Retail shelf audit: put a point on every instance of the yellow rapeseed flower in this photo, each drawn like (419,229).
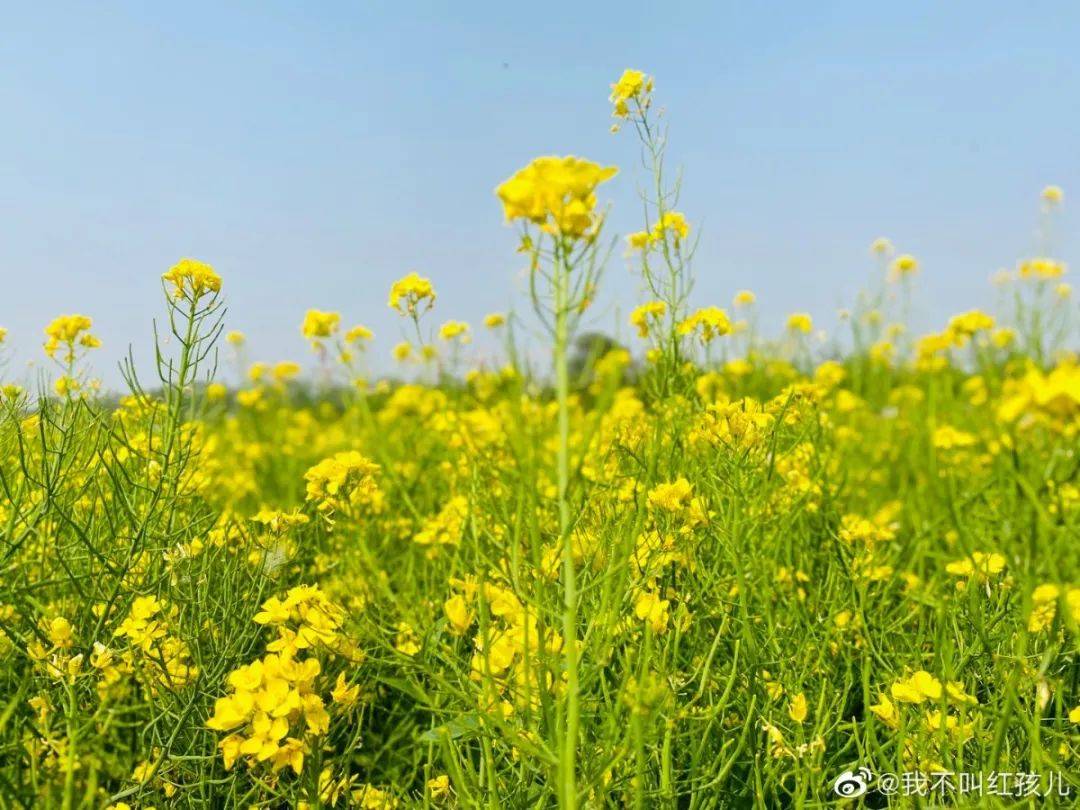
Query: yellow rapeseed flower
(454,330)
(318,324)
(192,279)
(556,193)
(633,85)
(643,316)
(69,331)
(358,334)
(1040,268)
(904,265)
(800,322)
(1052,195)
(881,246)
(744,298)
(407,294)
(709,323)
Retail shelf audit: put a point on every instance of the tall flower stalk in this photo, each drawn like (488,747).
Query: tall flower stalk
(664,248)
(555,199)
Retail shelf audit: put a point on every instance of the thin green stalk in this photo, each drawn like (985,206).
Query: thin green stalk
(568,782)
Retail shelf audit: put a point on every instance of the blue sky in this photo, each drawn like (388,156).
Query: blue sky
(313,152)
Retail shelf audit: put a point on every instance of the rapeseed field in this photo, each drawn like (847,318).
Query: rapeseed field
(728,565)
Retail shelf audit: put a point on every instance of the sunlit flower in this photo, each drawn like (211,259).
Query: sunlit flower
(318,324)
(69,332)
(744,298)
(646,315)
(556,193)
(1052,195)
(192,279)
(410,293)
(800,322)
(454,330)
(708,323)
(632,86)
(881,246)
(358,334)
(904,265)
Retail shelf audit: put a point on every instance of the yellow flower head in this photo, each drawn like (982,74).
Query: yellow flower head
(671,497)
(439,786)
(980,565)
(904,265)
(652,610)
(458,613)
(885,711)
(946,437)
(192,279)
(968,324)
(671,222)
(556,193)
(68,328)
(1052,195)
(318,324)
(1041,268)
(358,334)
(709,323)
(69,331)
(409,293)
(800,322)
(454,329)
(744,298)
(797,710)
(919,687)
(644,315)
(235,338)
(494,320)
(286,370)
(881,246)
(1044,601)
(633,85)
(1003,338)
(346,476)
(343,694)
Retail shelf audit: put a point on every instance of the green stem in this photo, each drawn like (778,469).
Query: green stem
(72,742)
(568,797)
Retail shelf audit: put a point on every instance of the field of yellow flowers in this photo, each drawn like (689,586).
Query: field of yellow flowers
(712,569)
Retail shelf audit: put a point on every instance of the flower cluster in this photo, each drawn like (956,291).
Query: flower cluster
(275,701)
(67,332)
(318,324)
(708,324)
(345,478)
(192,279)
(556,193)
(412,295)
(162,654)
(645,316)
(634,87)
(269,697)
(671,223)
